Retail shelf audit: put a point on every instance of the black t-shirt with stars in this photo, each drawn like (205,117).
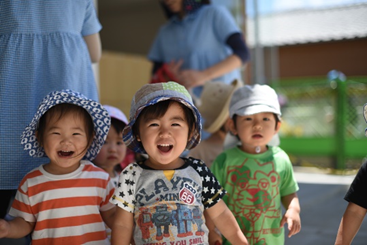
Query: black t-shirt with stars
(173,199)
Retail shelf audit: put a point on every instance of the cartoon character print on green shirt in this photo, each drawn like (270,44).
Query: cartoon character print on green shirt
(255,199)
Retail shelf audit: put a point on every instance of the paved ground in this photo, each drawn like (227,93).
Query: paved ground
(321,197)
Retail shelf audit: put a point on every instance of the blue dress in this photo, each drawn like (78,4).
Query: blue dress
(41,50)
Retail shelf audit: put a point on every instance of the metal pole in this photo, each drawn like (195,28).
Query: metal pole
(338,81)
(244,32)
(259,54)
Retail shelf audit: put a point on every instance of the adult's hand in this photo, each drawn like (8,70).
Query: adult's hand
(192,78)
(175,67)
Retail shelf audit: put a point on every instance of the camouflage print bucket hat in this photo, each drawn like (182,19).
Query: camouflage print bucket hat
(154,93)
(99,115)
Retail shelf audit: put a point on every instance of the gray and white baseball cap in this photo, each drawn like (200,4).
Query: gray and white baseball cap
(252,99)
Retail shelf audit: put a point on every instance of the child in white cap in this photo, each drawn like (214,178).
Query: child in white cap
(65,201)
(357,203)
(162,199)
(258,178)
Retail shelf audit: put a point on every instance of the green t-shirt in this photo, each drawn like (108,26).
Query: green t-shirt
(255,184)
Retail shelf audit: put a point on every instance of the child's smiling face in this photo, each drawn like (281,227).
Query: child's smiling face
(112,152)
(255,130)
(65,142)
(165,138)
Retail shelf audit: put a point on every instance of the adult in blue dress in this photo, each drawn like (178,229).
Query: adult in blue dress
(44,46)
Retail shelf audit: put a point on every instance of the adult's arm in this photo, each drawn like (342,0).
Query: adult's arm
(94,46)
(238,46)
(192,78)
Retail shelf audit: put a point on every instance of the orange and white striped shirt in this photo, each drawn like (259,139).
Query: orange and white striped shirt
(66,208)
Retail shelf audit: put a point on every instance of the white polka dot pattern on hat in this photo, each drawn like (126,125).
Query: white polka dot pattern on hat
(100,117)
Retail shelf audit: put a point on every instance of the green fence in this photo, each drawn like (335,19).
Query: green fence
(323,118)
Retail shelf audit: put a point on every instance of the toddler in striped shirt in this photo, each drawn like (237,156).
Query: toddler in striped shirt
(66,200)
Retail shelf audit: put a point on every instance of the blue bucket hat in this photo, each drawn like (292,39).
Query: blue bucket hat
(99,115)
(154,93)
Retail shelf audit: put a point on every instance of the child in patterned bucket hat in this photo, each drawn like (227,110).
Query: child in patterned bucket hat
(150,95)
(66,128)
(167,190)
(100,118)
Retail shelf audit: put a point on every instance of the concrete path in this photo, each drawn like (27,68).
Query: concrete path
(322,206)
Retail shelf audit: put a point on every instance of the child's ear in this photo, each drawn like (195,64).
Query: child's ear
(138,138)
(226,125)
(232,127)
(277,127)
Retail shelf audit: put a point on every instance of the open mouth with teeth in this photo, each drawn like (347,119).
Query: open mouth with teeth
(65,153)
(165,147)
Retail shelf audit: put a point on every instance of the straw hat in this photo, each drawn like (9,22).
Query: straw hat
(214,106)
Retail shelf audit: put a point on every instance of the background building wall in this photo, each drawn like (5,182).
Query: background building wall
(348,56)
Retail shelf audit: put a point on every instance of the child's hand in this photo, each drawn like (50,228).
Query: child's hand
(4,228)
(293,219)
(215,238)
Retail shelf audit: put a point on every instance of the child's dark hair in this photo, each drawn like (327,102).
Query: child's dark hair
(60,110)
(158,110)
(118,125)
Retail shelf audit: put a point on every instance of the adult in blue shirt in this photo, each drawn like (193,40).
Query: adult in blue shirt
(199,43)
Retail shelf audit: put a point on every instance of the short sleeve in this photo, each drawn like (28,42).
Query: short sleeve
(289,183)
(22,206)
(217,167)
(357,192)
(124,196)
(224,24)
(155,53)
(106,205)
(212,191)
(91,23)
